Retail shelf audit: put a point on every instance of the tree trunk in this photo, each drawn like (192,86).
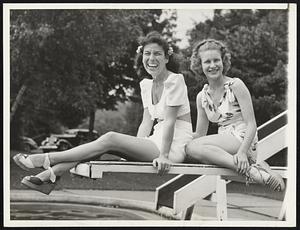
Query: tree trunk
(17,101)
(91,121)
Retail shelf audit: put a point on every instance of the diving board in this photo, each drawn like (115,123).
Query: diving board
(207,180)
(95,169)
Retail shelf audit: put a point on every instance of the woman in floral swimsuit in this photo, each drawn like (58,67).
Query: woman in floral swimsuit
(227,102)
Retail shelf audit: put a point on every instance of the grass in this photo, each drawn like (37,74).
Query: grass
(129,181)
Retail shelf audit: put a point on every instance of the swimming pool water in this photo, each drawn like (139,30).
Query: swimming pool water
(70,211)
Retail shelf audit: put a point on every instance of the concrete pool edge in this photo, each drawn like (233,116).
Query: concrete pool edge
(241,207)
(97,201)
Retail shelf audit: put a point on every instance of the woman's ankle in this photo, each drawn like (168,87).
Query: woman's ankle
(44,176)
(47,175)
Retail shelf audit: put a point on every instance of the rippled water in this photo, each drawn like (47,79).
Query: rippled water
(65,211)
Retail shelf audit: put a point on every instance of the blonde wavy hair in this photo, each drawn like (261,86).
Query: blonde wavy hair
(209,44)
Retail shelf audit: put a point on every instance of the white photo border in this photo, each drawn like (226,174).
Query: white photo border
(292,113)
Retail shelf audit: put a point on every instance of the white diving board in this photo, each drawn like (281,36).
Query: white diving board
(207,180)
(95,169)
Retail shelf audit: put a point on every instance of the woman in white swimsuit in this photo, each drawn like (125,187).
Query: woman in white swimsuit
(227,102)
(164,98)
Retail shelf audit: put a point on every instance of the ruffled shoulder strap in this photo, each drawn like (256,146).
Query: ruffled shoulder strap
(229,92)
(205,98)
(145,86)
(176,91)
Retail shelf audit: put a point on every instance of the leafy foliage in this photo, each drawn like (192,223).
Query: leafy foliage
(73,62)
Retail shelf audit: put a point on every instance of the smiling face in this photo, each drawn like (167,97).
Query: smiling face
(154,59)
(212,64)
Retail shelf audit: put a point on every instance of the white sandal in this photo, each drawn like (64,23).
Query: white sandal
(260,175)
(37,184)
(23,161)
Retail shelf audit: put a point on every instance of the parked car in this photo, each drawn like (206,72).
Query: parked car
(28,144)
(69,139)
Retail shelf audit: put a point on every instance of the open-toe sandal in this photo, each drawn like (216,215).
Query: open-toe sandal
(37,184)
(260,175)
(24,162)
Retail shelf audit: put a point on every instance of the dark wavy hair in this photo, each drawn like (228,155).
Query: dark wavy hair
(155,37)
(209,44)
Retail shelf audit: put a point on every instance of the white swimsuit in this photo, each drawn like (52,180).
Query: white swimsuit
(174,94)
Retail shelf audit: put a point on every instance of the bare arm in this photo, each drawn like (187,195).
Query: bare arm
(162,162)
(168,129)
(244,99)
(146,124)
(202,120)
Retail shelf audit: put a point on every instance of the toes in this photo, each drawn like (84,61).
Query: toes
(278,188)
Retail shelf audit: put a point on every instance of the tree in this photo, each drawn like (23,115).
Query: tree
(72,62)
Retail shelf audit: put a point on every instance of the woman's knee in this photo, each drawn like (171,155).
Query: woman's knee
(108,139)
(196,150)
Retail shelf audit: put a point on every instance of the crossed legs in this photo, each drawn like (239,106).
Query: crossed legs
(219,149)
(129,147)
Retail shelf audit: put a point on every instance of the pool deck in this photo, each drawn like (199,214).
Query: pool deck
(241,207)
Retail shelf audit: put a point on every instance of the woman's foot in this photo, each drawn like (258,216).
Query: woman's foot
(44,182)
(266,177)
(28,162)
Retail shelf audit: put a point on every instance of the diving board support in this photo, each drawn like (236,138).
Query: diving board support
(282,213)
(187,196)
(164,194)
(187,214)
(272,125)
(221,199)
(271,144)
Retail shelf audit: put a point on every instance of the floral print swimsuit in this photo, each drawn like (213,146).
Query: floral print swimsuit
(228,115)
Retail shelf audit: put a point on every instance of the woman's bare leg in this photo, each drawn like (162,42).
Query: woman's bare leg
(129,147)
(58,170)
(214,149)
(218,149)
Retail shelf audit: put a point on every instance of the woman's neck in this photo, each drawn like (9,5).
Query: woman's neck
(161,77)
(216,83)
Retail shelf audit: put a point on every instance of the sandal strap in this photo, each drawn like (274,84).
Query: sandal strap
(25,160)
(259,169)
(52,175)
(46,164)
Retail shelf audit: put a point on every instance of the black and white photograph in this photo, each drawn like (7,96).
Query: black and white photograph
(149,114)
